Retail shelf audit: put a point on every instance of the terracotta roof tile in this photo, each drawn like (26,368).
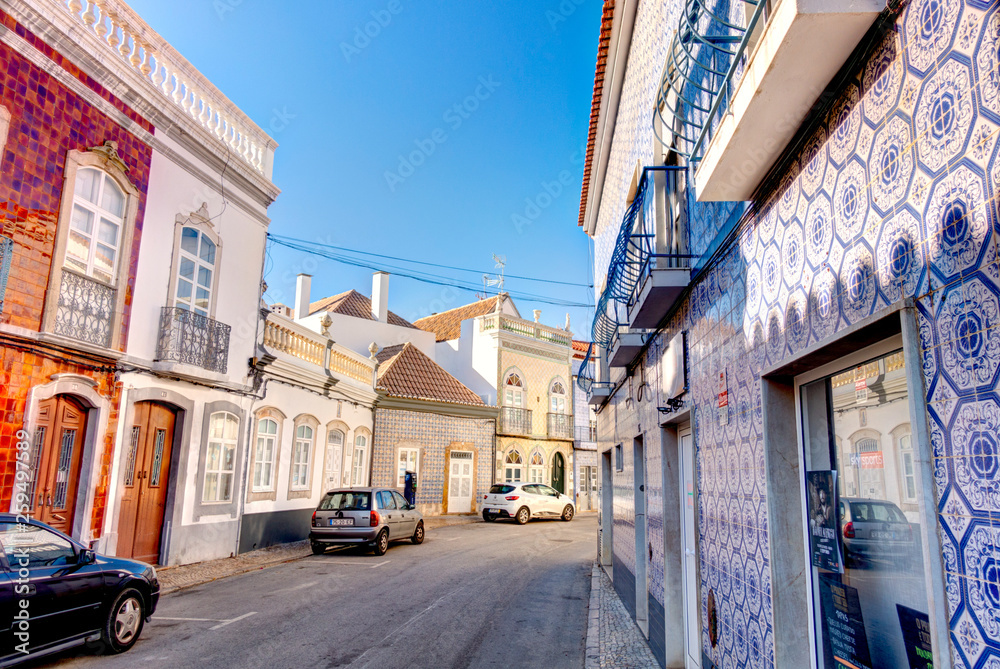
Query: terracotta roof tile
(603,44)
(352,303)
(405,371)
(447,325)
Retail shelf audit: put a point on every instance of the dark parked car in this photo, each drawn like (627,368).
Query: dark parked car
(874,529)
(364,516)
(56,593)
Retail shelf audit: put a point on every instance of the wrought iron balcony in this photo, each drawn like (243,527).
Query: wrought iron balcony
(515,421)
(85,309)
(560,426)
(193,339)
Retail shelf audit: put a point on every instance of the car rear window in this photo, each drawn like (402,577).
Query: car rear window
(501,489)
(874,512)
(346,500)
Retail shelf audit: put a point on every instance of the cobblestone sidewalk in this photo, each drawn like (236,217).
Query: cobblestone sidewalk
(186,576)
(613,639)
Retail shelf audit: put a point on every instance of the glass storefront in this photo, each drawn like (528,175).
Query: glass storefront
(868,581)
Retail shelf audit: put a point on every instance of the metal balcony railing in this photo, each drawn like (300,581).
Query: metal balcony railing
(586,432)
(85,309)
(193,339)
(515,421)
(559,426)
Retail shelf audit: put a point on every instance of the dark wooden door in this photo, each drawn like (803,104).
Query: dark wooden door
(559,473)
(145,481)
(56,456)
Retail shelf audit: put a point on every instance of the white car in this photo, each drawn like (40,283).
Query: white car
(524,501)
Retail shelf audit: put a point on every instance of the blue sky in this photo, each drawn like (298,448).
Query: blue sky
(353,113)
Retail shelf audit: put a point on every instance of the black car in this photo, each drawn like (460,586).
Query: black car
(56,593)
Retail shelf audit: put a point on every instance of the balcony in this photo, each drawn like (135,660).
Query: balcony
(559,426)
(523,328)
(597,391)
(586,432)
(193,339)
(85,309)
(626,345)
(514,421)
(296,341)
(785,58)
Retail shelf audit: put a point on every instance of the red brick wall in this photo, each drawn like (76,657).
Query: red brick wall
(47,121)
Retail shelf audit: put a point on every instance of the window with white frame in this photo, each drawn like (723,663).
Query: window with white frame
(360,458)
(195,272)
(302,457)
(513,468)
(557,398)
(334,457)
(220,457)
(513,391)
(907,469)
(407,461)
(263,457)
(536,468)
(95,225)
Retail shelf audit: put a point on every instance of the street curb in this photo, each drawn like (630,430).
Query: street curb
(237,572)
(593,649)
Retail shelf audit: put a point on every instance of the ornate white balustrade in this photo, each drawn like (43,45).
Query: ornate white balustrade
(525,329)
(299,342)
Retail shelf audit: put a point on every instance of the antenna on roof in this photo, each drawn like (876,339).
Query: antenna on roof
(501,262)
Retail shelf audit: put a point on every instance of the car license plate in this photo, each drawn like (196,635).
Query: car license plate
(891,536)
(341,521)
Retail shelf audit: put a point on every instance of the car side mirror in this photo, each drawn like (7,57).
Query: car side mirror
(86,556)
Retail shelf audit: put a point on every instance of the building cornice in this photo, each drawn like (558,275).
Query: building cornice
(386,401)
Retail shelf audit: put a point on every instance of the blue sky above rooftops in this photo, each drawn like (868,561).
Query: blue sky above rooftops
(438,131)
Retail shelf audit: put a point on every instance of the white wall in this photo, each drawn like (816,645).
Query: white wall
(358,333)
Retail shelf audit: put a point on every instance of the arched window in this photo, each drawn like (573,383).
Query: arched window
(557,397)
(334,458)
(513,391)
(220,457)
(360,459)
(95,225)
(513,468)
(195,272)
(536,468)
(908,469)
(264,455)
(302,457)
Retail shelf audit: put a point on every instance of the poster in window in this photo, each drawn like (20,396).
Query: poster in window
(916,627)
(845,636)
(824,537)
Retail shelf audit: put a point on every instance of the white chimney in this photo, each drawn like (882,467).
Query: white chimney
(380,296)
(303,285)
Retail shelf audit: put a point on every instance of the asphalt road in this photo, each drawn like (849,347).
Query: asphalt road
(478,595)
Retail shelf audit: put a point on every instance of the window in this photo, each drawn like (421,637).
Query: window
(536,468)
(513,391)
(557,398)
(360,457)
(513,468)
(42,547)
(346,500)
(385,500)
(195,272)
(407,461)
(263,459)
(95,225)
(334,457)
(400,500)
(907,469)
(619,458)
(220,457)
(6,253)
(301,457)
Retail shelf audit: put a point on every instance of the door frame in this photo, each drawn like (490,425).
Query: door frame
(83,389)
(639,483)
(457,446)
(606,492)
(555,458)
(183,409)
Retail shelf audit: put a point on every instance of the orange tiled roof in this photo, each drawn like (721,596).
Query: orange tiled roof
(404,371)
(603,43)
(352,303)
(580,349)
(447,325)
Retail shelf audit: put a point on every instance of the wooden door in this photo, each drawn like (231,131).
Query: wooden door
(57,452)
(559,473)
(146,477)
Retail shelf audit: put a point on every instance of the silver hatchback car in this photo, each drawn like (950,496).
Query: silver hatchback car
(365,516)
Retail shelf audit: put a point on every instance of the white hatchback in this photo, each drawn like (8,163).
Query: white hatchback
(524,501)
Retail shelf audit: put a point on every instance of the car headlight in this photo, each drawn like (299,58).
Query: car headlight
(152,573)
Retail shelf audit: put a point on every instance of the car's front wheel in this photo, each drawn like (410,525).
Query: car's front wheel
(381,543)
(418,534)
(523,515)
(567,513)
(124,622)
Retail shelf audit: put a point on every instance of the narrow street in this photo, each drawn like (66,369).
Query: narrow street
(478,595)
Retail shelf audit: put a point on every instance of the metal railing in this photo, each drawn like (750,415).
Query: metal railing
(559,426)
(85,309)
(514,420)
(586,432)
(193,339)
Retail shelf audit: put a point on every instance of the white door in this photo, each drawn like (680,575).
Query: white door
(334,459)
(460,482)
(692,643)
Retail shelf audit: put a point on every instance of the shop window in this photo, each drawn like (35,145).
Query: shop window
(869,587)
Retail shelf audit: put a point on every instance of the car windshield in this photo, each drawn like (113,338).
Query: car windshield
(501,489)
(346,500)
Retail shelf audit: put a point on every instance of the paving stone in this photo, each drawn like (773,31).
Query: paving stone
(613,638)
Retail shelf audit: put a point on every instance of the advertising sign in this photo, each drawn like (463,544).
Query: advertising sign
(870,460)
(723,399)
(844,626)
(916,628)
(824,534)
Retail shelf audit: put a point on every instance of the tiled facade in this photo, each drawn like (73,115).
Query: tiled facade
(892,197)
(47,120)
(434,435)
